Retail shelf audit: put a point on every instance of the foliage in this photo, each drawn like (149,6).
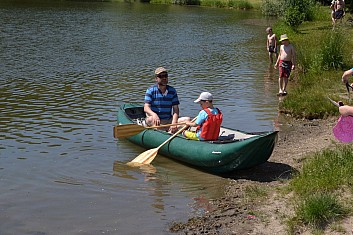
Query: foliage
(292,12)
(325,171)
(293,16)
(186,2)
(322,54)
(273,7)
(320,209)
(318,186)
(238,4)
(332,51)
(325,56)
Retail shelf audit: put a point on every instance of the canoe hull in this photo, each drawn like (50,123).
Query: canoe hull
(220,157)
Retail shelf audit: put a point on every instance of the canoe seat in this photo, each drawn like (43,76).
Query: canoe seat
(135,113)
(223,139)
(226,137)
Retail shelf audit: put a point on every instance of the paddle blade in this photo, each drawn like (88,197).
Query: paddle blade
(127,130)
(146,157)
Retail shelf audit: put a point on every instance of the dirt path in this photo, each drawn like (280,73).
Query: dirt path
(234,214)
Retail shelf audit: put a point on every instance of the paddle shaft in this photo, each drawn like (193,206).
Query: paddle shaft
(127,130)
(166,125)
(338,104)
(176,133)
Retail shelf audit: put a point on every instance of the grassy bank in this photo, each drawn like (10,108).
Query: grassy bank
(236,4)
(322,56)
(323,190)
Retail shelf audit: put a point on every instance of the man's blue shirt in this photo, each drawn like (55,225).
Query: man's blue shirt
(160,103)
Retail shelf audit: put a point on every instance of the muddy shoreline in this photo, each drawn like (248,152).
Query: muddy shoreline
(235,213)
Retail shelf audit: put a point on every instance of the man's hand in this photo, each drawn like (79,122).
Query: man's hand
(155,119)
(173,129)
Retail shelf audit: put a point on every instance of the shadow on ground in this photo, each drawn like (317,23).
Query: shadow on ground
(267,172)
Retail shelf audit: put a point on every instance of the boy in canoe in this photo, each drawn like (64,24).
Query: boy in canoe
(208,120)
(162,103)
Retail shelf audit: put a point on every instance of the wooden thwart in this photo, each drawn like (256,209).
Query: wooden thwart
(127,130)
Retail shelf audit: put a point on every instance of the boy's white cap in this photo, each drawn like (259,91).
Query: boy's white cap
(204,96)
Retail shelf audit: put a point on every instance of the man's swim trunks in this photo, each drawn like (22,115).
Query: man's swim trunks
(339,14)
(272,49)
(285,67)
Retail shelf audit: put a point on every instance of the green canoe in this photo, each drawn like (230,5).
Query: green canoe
(233,151)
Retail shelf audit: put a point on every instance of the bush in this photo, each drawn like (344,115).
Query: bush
(332,51)
(273,7)
(293,12)
(320,209)
(294,17)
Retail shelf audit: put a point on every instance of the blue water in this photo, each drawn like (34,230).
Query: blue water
(65,69)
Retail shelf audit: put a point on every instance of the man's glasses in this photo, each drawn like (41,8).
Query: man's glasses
(162,75)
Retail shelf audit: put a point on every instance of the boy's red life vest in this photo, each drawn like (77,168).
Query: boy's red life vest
(211,126)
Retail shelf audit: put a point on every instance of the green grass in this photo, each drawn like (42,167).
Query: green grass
(325,171)
(238,4)
(256,192)
(318,211)
(321,189)
(322,56)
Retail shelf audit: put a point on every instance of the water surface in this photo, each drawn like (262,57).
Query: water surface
(65,69)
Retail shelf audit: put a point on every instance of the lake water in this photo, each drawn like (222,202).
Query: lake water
(65,69)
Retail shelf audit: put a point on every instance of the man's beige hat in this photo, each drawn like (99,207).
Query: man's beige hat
(284,37)
(204,96)
(160,70)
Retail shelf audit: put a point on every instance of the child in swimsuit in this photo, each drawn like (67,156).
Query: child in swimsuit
(271,44)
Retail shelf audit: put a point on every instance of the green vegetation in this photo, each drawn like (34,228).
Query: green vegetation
(322,56)
(291,12)
(323,189)
(237,4)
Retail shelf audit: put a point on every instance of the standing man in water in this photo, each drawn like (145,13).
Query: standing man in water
(271,44)
(162,103)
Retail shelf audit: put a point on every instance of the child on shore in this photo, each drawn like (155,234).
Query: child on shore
(208,120)
(271,44)
(286,62)
(343,130)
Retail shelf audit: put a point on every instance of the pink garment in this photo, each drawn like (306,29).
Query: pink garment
(343,130)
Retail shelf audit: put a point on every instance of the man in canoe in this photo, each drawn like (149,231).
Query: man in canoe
(162,103)
(208,120)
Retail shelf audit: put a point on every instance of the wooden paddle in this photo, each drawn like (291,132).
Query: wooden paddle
(148,156)
(348,86)
(127,130)
(337,104)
